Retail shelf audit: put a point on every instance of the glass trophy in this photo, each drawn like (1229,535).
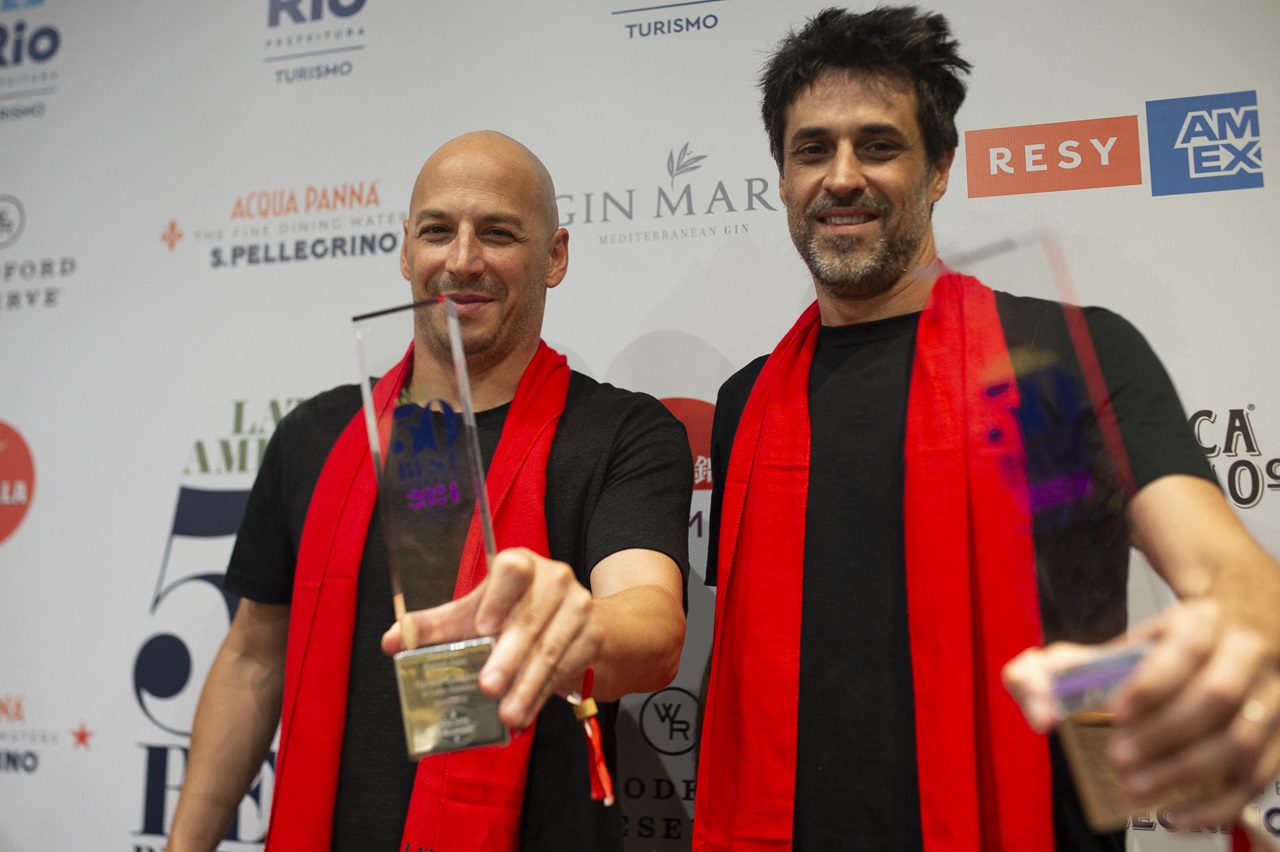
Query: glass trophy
(430,474)
(1079,484)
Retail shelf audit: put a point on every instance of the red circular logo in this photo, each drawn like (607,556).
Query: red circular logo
(17,479)
(696,416)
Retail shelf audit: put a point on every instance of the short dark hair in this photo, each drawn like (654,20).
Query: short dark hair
(894,42)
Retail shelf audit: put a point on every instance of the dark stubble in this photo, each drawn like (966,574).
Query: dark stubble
(855,267)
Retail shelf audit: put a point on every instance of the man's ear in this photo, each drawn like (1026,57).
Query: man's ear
(941,175)
(558,258)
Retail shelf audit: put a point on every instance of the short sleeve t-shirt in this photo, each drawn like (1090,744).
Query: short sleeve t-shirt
(856,778)
(620,476)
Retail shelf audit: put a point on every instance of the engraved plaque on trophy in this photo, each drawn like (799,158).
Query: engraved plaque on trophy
(430,475)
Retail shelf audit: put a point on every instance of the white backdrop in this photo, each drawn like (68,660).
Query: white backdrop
(194,202)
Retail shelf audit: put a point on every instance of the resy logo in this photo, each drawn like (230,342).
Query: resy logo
(1208,143)
(1053,157)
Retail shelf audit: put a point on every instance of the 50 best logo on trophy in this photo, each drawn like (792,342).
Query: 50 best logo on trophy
(431,490)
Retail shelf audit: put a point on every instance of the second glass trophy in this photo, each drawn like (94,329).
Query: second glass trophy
(431,499)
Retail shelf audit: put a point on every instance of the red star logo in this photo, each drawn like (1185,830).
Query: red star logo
(172,235)
(81,735)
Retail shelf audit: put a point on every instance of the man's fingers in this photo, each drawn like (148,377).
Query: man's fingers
(448,622)
(1185,638)
(481,612)
(565,647)
(1216,741)
(510,575)
(544,620)
(1207,702)
(530,614)
(1202,777)
(1029,679)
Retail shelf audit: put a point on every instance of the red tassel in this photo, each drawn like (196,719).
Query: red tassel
(584,710)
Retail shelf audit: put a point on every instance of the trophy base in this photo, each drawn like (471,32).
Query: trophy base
(1084,739)
(441,702)
(1106,806)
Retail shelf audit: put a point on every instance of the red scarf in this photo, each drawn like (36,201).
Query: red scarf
(462,801)
(971,592)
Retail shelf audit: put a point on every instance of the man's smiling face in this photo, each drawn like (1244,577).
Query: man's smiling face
(858,184)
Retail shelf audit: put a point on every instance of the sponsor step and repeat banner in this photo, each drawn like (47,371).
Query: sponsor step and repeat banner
(193,205)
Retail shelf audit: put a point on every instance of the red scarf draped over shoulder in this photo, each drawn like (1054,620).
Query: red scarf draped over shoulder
(971,594)
(462,801)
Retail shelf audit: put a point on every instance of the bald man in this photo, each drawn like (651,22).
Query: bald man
(595,582)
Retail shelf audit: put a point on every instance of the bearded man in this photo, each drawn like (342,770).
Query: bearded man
(913,488)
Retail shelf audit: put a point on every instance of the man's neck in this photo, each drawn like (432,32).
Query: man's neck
(491,385)
(909,295)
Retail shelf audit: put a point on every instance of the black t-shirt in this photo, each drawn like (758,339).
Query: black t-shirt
(856,771)
(619,476)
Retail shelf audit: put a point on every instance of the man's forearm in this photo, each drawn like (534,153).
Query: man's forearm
(1193,538)
(643,633)
(234,725)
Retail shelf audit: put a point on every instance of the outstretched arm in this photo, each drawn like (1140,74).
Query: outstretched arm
(1202,711)
(629,627)
(1205,704)
(234,724)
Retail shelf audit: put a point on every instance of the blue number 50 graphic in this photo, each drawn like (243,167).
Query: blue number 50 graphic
(163,665)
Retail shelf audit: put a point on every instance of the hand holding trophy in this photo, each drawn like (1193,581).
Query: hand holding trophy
(435,514)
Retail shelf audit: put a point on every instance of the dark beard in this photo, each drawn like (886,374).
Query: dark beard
(838,271)
(877,274)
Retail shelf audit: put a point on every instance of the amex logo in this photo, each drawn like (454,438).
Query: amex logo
(1053,157)
(1205,144)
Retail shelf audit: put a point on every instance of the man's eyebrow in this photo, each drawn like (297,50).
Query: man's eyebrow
(803,134)
(503,219)
(431,213)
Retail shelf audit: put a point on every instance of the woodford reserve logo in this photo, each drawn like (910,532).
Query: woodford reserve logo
(27,282)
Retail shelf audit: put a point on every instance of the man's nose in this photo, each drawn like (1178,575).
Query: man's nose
(844,173)
(466,258)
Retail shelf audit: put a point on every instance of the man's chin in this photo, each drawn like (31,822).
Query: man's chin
(853,283)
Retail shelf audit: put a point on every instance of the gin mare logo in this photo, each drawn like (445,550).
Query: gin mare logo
(615,205)
(682,164)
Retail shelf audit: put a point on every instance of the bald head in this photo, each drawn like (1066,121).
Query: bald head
(484,230)
(487,156)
